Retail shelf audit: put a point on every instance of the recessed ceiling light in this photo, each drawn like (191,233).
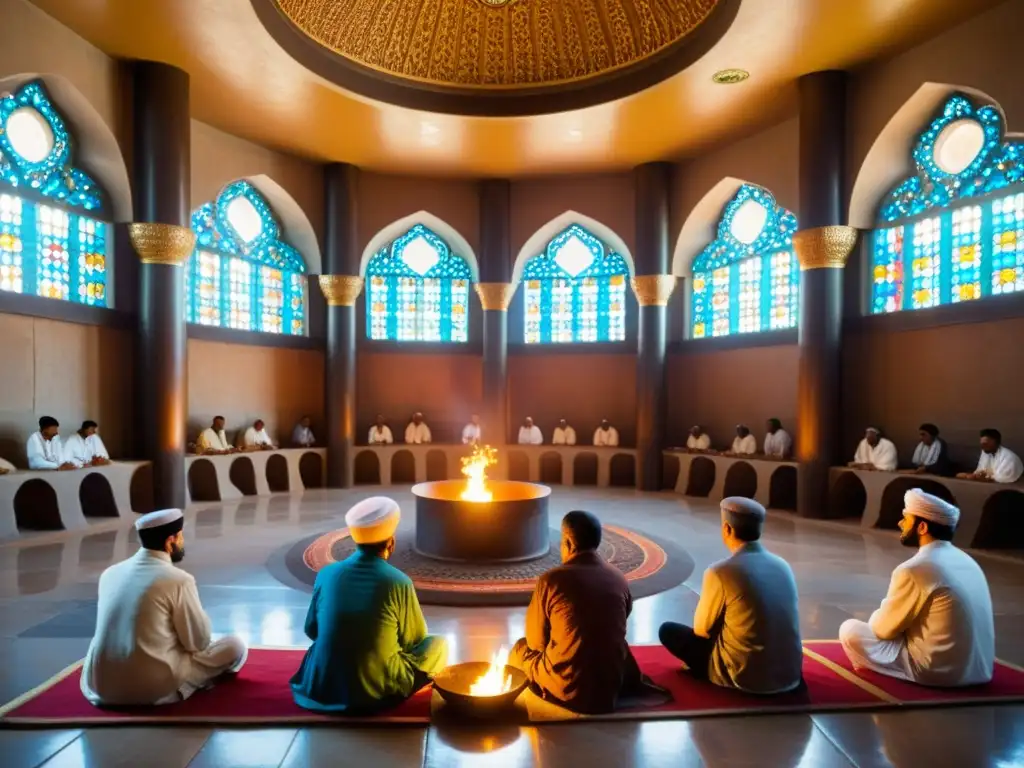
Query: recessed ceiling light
(730,76)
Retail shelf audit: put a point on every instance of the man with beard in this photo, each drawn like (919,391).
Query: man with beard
(152,643)
(935,625)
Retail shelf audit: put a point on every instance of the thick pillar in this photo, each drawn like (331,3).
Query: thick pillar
(160,235)
(822,246)
(653,286)
(341,286)
(495,291)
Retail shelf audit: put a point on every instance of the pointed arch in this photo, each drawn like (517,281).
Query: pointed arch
(458,244)
(296,228)
(701,225)
(539,240)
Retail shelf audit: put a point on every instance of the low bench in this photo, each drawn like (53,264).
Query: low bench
(771,482)
(223,477)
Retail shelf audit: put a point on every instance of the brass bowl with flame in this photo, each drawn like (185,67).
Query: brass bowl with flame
(453,684)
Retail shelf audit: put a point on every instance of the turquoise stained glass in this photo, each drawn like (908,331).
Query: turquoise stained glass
(748,278)
(418,290)
(242,274)
(575,291)
(49,246)
(952,235)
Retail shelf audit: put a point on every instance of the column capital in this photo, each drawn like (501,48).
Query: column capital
(653,290)
(824,247)
(166,244)
(341,290)
(495,296)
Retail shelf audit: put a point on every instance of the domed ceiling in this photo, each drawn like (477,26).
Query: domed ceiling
(496,56)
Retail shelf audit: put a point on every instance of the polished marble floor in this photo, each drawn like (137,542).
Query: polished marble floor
(47,612)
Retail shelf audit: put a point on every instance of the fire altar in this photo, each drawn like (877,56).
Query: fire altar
(479,519)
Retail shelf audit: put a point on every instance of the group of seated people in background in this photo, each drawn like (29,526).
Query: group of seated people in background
(605,435)
(371,648)
(45,449)
(777,442)
(418,433)
(213,440)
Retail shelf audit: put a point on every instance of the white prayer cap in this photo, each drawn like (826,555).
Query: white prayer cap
(736,508)
(159,518)
(373,520)
(927,507)
(876,430)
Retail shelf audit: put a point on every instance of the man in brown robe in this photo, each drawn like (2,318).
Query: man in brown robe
(575,651)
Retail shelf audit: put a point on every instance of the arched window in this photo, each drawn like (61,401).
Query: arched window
(242,274)
(48,245)
(418,290)
(575,291)
(954,231)
(748,278)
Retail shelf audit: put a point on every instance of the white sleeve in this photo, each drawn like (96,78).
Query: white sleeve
(250,438)
(98,448)
(597,437)
(426,434)
(263,438)
(410,433)
(36,457)
(369,436)
(886,456)
(466,438)
(570,437)
(74,451)
(863,453)
(1008,469)
(388,438)
(4,464)
(538,436)
(750,445)
(521,438)
(613,436)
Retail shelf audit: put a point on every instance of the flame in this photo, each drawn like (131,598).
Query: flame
(474,467)
(495,680)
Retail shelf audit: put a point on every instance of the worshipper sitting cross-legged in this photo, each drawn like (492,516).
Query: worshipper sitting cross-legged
(256,438)
(935,625)
(417,432)
(44,447)
(563,434)
(997,464)
(698,440)
(213,441)
(575,651)
(302,435)
(380,433)
(777,442)
(471,432)
(530,434)
(370,646)
(744,444)
(746,629)
(875,452)
(931,455)
(85,448)
(606,435)
(152,643)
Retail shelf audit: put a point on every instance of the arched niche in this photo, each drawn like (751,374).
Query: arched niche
(403,468)
(518,466)
(891,513)
(539,240)
(366,468)
(1002,521)
(622,470)
(311,470)
(702,476)
(584,469)
(202,481)
(243,475)
(140,492)
(740,480)
(551,468)
(96,496)
(847,497)
(437,465)
(458,244)
(277,473)
(782,488)
(35,507)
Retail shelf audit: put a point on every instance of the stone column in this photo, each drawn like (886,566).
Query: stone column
(341,286)
(822,246)
(160,235)
(652,286)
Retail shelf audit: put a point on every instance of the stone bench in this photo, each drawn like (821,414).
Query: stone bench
(771,482)
(991,514)
(52,500)
(253,473)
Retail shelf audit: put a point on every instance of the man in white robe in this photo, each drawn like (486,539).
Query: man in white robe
(417,432)
(777,442)
(471,432)
(302,435)
(256,438)
(564,434)
(44,447)
(530,434)
(152,643)
(85,448)
(744,444)
(998,464)
(380,433)
(606,435)
(875,452)
(698,440)
(935,625)
(931,455)
(213,440)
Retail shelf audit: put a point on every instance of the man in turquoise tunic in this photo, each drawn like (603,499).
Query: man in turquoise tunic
(370,646)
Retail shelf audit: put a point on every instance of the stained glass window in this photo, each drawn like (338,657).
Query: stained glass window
(48,245)
(748,278)
(952,228)
(575,291)
(418,290)
(242,274)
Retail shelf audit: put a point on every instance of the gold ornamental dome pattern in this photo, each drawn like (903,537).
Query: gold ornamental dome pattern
(497,44)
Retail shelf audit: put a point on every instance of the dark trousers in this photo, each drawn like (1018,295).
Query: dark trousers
(692,649)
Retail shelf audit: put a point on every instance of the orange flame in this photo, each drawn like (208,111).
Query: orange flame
(495,680)
(474,467)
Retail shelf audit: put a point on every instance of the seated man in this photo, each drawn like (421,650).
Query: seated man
(935,625)
(875,452)
(998,464)
(256,438)
(302,435)
(744,444)
(370,646)
(417,432)
(471,432)
(152,642)
(564,434)
(44,448)
(698,440)
(777,443)
(85,448)
(530,434)
(575,650)
(746,630)
(380,433)
(930,455)
(606,435)
(213,441)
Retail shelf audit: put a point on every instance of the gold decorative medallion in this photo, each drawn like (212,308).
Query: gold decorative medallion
(166,244)
(824,247)
(730,76)
(653,290)
(341,290)
(495,296)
